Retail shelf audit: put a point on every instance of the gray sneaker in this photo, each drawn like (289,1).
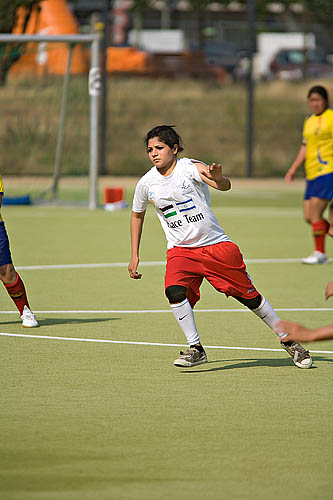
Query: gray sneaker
(300,356)
(191,357)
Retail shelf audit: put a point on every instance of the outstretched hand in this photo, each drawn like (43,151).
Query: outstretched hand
(214,172)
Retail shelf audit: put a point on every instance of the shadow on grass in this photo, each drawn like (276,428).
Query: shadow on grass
(252,363)
(61,321)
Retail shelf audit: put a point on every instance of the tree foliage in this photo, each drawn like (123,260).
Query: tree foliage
(11,52)
(8,12)
(321,11)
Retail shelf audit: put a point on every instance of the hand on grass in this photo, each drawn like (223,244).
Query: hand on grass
(329,290)
(288,330)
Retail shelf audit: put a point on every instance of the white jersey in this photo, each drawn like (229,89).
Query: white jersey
(182,204)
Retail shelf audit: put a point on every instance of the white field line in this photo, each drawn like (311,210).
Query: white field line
(144,264)
(77,339)
(82,266)
(158,311)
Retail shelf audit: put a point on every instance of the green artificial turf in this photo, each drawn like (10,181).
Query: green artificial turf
(100,420)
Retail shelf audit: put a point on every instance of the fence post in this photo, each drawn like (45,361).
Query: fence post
(250,88)
(63,112)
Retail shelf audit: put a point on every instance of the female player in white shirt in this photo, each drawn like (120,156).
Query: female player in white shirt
(197,246)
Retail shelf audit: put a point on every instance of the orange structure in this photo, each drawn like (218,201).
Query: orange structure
(52,17)
(125,60)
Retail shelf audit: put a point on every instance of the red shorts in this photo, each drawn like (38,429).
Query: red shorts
(221,264)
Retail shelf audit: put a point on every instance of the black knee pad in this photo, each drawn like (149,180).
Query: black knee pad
(175,293)
(250,303)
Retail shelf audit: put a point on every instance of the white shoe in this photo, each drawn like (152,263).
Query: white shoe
(28,319)
(316,258)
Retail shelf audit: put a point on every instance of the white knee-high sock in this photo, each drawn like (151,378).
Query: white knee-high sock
(183,313)
(267,313)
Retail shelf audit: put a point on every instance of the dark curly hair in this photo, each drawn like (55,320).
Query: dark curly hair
(166,134)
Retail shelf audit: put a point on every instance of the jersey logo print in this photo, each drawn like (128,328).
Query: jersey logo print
(185,185)
(151,197)
(323,162)
(184,206)
(168,211)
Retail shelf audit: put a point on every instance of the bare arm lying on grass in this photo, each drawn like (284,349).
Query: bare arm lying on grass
(299,333)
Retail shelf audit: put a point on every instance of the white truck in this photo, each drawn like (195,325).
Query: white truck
(268,44)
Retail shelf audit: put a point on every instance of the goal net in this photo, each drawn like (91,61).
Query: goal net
(50,122)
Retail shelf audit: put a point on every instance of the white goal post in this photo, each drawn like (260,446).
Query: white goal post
(95,90)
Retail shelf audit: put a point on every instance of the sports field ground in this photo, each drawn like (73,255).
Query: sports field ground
(92,407)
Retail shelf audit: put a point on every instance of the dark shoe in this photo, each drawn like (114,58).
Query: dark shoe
(301,357)
(191,357)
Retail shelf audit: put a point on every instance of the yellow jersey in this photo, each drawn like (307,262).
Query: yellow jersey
(1,192)
(318,139)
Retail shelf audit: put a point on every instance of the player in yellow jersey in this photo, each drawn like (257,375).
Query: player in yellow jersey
(10,278)
(317,153)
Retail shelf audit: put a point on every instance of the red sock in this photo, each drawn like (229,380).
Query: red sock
(319,231)
(18,294)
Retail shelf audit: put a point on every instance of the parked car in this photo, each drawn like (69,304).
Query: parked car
(184,64)
(220,55)
(289,64)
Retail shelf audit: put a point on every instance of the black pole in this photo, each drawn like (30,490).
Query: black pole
(250,87)
(104,96)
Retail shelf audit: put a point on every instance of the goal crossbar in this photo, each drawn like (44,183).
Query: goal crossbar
(94,92)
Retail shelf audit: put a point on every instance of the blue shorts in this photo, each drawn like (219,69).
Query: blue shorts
(321,187)
(5,256)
